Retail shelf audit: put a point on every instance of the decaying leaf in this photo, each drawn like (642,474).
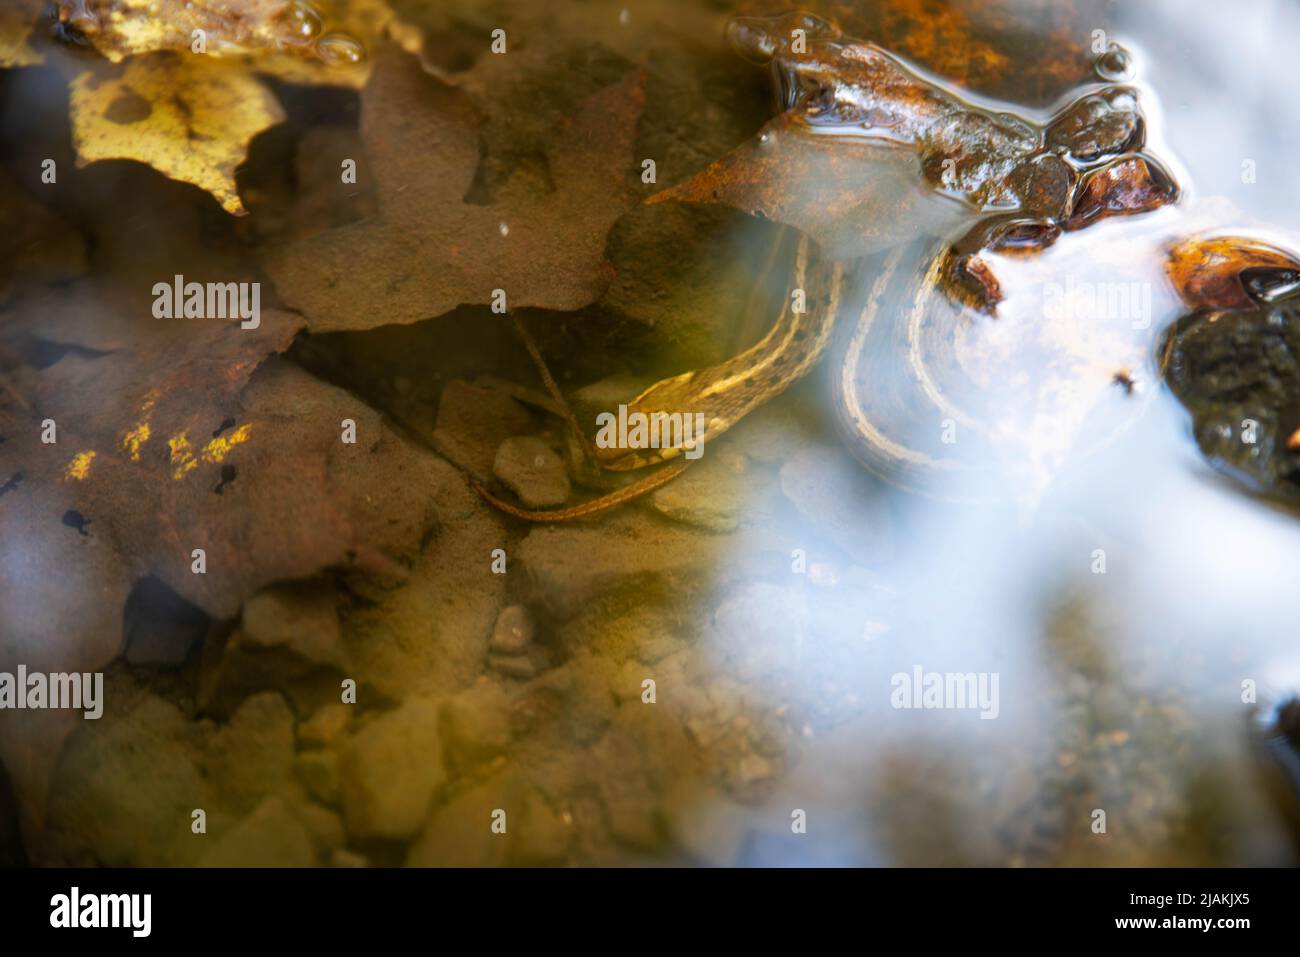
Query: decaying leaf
(853,197)
(1032,50)
(869,153)
(175,435)
(431,248)
(17,18)
(189,117)
(35,244)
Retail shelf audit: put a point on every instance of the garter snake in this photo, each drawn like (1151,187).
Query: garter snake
(929,317)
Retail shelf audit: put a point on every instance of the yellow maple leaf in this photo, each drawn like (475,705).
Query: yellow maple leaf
(188,116)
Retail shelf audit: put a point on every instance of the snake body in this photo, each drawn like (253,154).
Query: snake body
(909,372)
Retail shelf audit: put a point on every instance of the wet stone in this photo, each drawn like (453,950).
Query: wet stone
(542,834)
(473,421)
(841,503)
(251,756)
(319,773)
(342,857)
(706,826)
(711,494)
(288,639)
(531,470)
(325,726)
(459,832)
(146,777)
(568,567)
(513,631)
(391,771)
(475,724)
(271,836)
(605,395)
(323,825)
(300,620)
(633,822)
(513,666)
(1238,367)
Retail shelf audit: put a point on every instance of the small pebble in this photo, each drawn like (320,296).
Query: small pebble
(513,632)
(529,467)
(513,666)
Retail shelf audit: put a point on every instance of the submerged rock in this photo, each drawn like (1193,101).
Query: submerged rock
(713,494)
(473,421)
(531,470)
(251,756)
(138,771)
(299,619)
(391,771)
(513,632)
(569,566)
(289,640)
(475,724)
(319,773)
(1238,373)
(842,504)
(271,836)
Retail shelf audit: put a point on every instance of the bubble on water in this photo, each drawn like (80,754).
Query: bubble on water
(305,22)
(339,49)
(505,230)
(624,16)
(1115,64)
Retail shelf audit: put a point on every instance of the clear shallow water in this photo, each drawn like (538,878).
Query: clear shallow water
(1120,690)
(794,629)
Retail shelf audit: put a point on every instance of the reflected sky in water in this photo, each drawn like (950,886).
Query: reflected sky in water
(1120,684)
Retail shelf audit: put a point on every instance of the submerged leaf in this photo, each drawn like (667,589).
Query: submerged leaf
(189,117)
(869,153)
(431,248)
(36,245)
(853,196)
(1031,51)
(176,435)
(17,18)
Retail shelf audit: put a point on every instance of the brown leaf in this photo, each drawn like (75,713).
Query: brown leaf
(175,435)
(852,196)
(35,244)
(869,153)
(17,18)
(1033,52)
(429,249)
